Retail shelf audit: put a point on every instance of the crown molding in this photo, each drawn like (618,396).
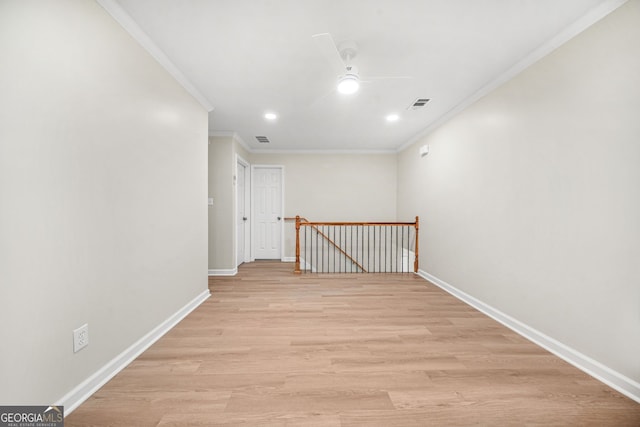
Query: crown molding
(362,151)
(240,141)
(593,16)
(236,137)
(222,134)
(127,22)
(233,135)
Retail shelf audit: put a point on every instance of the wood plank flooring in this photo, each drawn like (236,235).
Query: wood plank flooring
(270,348)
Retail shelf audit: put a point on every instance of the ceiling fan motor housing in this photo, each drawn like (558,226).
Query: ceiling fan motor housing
(348,50)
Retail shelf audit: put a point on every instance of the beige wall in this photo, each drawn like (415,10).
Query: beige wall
(324,187)
(530,199)
(102,195)
(223,158)
(335,187)
(221,189)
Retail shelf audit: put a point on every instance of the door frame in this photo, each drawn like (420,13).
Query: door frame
(253,168)
(247,208)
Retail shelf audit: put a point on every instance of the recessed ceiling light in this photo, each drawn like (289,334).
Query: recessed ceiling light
(392,117)
(270,116)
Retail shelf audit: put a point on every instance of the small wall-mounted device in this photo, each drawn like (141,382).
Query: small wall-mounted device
(424,150)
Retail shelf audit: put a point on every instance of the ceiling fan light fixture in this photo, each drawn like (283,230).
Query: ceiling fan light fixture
(349,84)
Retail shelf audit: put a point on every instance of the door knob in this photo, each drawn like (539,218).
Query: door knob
(279,218)
(244,218)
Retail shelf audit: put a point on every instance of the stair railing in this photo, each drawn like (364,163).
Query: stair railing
(361,247)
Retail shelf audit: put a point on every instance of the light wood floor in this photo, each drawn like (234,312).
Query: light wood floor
(273,349)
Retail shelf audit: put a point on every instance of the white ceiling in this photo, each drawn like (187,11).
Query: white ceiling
(247,57)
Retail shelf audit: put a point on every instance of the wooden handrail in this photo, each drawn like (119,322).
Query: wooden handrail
(299,220)
(314,225)
(399,224)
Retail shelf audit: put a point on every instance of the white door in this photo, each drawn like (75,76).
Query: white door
(241,212)
(267,191)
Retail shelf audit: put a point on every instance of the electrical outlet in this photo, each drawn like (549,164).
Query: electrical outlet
(80,338)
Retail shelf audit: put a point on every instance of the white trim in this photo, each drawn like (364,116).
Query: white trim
(124,19)
(222,133)
(235,136)
(304,265)
(613,379)
(243,143)
(232,135)
(240,141)
(564,36)
(328,151)
(247,206)
(307,266)
(282,216)
(85,389)
(223,272)
(408,260)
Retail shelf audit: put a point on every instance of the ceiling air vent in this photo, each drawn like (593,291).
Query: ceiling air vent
(418,103)
(262,139)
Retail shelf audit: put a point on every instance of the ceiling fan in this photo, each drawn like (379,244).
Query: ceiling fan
(340,58)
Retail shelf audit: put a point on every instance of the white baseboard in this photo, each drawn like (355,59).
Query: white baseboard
(224,272)
(613,379)
(288,259)
(306,266)
(84,390)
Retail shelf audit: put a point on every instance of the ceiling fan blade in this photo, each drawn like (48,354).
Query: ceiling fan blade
(327,46)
